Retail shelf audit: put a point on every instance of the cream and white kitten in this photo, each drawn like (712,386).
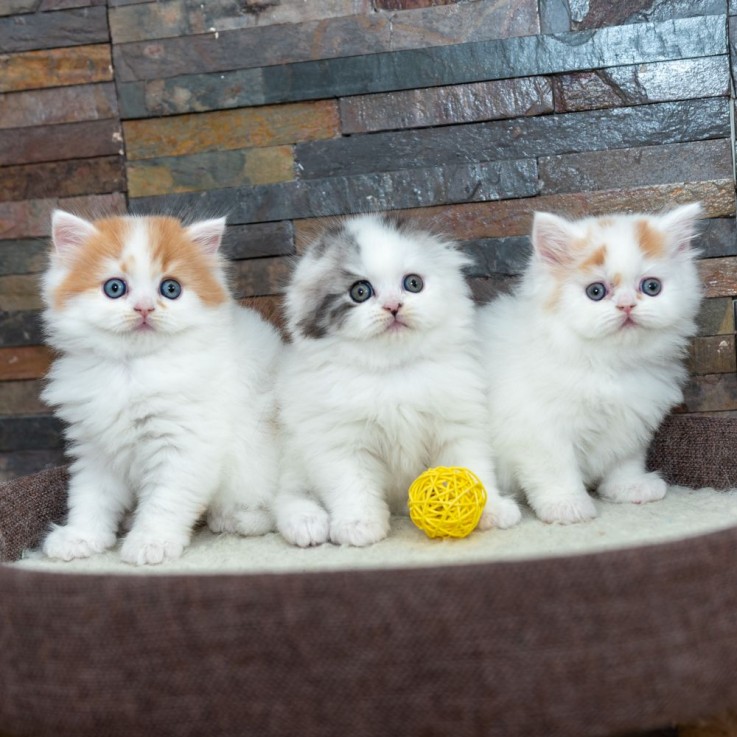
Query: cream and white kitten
(382,381)
(586,359)
(166,385)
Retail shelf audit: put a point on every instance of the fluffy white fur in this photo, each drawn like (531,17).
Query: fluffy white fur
(576,386)
(372,394)
(167,422)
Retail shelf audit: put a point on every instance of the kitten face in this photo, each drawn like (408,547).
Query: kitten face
(373,279)
(133,278)
(618,276)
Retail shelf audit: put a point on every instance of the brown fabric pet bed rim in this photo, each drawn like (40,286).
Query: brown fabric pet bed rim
(584,645)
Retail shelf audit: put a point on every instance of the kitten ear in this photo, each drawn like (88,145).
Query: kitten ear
(68,232)
(551,238)
(208,234)
(679,225)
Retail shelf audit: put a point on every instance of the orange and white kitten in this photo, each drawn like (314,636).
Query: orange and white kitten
(164,383)
(585,360)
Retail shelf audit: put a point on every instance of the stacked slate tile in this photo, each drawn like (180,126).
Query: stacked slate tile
(467,115)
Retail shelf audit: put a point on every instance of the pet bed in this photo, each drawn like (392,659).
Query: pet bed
(583,643)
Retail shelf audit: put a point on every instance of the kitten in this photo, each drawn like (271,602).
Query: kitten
(164,382)
(585,359)
(381,382)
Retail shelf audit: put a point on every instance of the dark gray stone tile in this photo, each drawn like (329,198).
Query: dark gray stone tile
(30,433)
(634,167)
(642,83)
(20,328)
(670,122)
(717,237)
(498,256)
(261,239)
(24,256)
(52,30)
(25,462)
(358,193)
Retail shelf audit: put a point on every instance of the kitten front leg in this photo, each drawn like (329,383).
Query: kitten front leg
(353,495)
(97,501)
(629,482)
(553,484)
(300,519)
(169,506)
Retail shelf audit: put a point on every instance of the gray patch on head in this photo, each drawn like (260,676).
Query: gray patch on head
(327,304)
(329,315)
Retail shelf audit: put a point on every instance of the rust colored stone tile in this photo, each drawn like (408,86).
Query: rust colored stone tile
(630,167)
(719,276)
(55,67)
(63,179)
(189,17)
(712,355)
(22,398)
(60,142)
(26,362)
(269,307)
(58,105)
(711,393)
(20,292)
(471,221)
(231,129)
(32,218)
(433,106)
(211,170)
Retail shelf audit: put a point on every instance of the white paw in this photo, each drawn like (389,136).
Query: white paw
(140,549)
(500,512)
(306,529)
(67,543)
(240,521)
(565,510)
(647,488)
(358,533)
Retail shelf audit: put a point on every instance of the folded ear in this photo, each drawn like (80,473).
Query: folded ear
(552,238)
(69,232)
(207,234)
(679,225)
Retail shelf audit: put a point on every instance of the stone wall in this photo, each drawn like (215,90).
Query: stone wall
(468,115)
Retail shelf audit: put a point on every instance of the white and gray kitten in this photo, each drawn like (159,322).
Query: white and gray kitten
(381,382)
(586,358)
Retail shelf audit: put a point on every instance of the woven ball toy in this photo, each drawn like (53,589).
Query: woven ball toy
(446,502)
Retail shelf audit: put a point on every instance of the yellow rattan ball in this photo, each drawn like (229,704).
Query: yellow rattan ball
(446,502)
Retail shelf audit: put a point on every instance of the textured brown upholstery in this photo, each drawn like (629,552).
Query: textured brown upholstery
(579,645)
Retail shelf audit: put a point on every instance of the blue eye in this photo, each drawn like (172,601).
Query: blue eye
(114,288)
(651,286)
(596,291)
(361,291)
(413,283)
(170,288)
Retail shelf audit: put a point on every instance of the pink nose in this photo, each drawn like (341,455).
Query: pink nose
(393,307)
(144,311)
(626,308)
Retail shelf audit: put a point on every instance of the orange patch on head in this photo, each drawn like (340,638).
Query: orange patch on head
(596,258)
(88,262)
(651,241)
(184,260)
